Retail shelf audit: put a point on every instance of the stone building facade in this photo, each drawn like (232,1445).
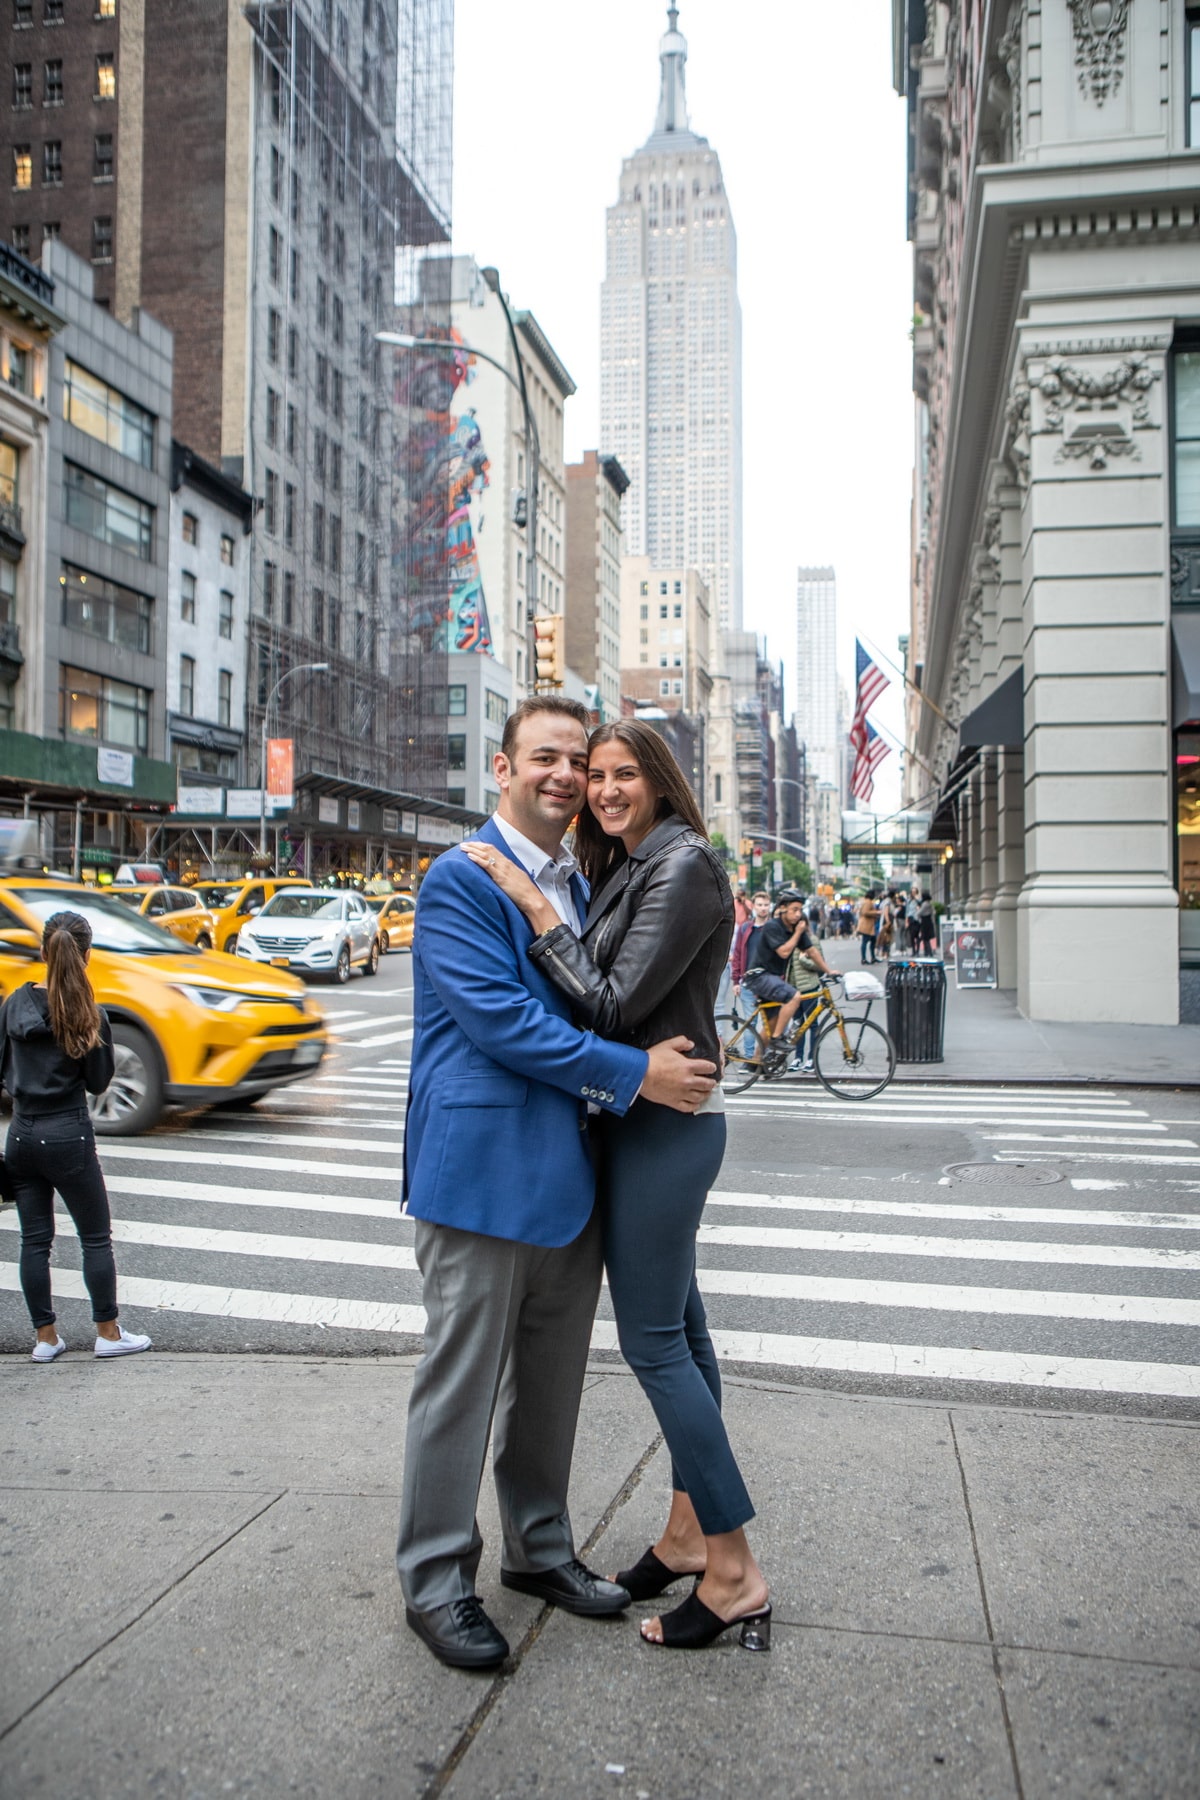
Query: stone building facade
(1055,220)
(593,585)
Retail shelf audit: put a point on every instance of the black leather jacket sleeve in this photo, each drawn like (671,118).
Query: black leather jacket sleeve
(679,906)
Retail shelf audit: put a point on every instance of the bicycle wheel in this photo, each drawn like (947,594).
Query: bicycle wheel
(743,1048)
(865,1070)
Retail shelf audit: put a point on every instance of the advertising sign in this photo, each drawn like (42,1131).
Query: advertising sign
(408,824)
(975,957)
(327,809)
(391,820)
(437,831)
(114,767)
(200,799)
(280,772)
(243,803)
(354,815)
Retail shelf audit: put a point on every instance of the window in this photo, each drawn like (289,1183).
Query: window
(644,588)
(662,588)
(495,707)
(318,616)
(1193,77)
(225,613)
(274,255)
(289,514)
(678,590)
(289,598)
(270,575)
(22,13)
(105,610)
(107,513)
(319,454)
(187,598)
(187,685)
(271,504)
(276,173)
(290,443)
(335,393)
(96,707)
(677,611)
(102,157)
(274,326)
(224,697)
(322,305)
(643,612)
(318,534)
(22,166)
(339,250)
(456,700)
(663,612)
(102,240)
(335,543)
(293,352)
(52,12)
(335,622)
(52,84)
(227,550)
(51,231)
(52,164)
(664,687)
(272,417)
(190,529)
(339,320)
(10,463)
(106,77)
(106,9)
(335,466)
(1185,377)
(456,750)
(23,86)
(294,275)
(20,238)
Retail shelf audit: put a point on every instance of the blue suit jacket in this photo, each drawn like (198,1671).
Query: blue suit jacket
(496,1135)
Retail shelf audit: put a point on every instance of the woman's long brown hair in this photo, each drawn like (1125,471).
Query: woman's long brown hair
(74,1015)
(600,854)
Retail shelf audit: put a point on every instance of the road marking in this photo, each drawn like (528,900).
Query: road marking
(1117,1156)
(254,1243)
(287,1165)
(978,1213)
(1073,1137)
(390,1037)
(870,1243)
(295,1137)
(1087,1374)
(357,1206)
(370,1024)
(1082,1184)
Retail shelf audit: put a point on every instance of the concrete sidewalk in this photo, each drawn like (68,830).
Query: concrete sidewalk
(969,1601)
(987,1040)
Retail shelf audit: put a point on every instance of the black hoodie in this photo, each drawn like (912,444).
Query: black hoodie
(40,1077)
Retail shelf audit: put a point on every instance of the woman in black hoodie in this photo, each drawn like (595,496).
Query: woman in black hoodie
(56,1047)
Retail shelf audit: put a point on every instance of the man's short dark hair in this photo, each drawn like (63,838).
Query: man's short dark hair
(542,703)
(760,894)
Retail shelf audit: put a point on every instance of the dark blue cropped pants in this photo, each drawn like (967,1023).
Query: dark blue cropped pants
(655,1168)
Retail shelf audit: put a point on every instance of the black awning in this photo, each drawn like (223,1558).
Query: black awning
(997,723)
(1185,665)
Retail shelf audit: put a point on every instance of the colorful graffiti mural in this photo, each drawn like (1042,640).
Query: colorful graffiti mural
(444,463)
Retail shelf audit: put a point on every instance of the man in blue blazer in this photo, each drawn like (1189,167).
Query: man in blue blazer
(498,1176)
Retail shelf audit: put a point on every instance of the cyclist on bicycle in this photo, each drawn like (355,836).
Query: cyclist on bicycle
(769,952)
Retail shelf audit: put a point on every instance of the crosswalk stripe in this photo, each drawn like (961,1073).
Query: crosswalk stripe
(869,1243)
(978,1213)
(1119,1156)
(1075,1137)
(350,1251)
(370,1024)
(1086,1374)
(285,1165)
(390,1037)
(359,1206)
(294,1137)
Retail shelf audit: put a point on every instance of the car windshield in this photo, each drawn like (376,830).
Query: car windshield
(131,896)
(216,893)
(114,927)
(303,906)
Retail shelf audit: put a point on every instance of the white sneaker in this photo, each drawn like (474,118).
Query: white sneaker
(807,1066)
(43,1352)
(128,1344)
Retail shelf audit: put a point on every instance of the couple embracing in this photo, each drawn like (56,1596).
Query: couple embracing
(558,1120)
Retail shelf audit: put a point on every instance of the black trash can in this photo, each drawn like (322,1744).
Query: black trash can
(916,1009)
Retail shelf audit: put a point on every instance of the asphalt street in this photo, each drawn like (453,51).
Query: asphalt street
(1034,1245)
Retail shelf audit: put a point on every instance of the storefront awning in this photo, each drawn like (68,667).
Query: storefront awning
(1185,666)
(997,723)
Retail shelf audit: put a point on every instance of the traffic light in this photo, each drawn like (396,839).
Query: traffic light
(549,651)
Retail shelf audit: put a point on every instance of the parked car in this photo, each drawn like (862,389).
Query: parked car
(396,914)
(190,1027)
(315,931)
(233,902)
(178,910)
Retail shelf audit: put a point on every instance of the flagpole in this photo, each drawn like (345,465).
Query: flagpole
(920,693)
(905,749)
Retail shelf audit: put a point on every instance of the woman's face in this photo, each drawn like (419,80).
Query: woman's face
(619,794)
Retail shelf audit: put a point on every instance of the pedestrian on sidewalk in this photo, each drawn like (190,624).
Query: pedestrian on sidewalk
(868,924)
(56,1047)
(926,926)
(646,964)
(500,1181)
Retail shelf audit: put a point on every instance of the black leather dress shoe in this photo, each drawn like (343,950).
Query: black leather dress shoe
(460,1634)
(572,1587)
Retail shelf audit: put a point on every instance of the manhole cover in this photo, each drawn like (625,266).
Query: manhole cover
(1004,1174)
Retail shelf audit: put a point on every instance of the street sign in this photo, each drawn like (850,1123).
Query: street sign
(975,957)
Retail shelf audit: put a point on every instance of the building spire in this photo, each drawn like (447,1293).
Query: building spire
(672,100)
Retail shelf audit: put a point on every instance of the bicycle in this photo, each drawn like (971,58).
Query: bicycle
(853,1058)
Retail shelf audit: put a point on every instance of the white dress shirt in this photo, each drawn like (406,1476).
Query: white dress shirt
(551,875)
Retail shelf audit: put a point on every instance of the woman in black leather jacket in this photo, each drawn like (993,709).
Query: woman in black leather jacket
(646,968)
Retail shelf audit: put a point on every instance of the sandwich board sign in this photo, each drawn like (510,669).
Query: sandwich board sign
(975,957)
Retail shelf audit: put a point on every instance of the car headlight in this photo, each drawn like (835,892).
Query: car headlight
(214,999)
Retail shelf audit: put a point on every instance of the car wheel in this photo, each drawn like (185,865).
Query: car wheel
(341,973)
(231,945)
(383,943)
(204,942)
(133,1099)
(371,966)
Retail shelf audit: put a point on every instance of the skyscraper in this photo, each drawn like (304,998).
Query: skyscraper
(816,683)
(670,349)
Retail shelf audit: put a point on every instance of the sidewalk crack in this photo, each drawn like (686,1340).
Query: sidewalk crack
(139,1616)
(997,1671)
(499,1687)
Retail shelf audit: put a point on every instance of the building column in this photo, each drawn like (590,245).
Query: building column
(989,877)
(1010,860)
(972,810)
(1097,674)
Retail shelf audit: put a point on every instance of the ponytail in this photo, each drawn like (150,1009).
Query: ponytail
(74,1015)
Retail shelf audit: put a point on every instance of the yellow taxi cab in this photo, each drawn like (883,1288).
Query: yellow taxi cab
(231,903)
(396,914)
(178,910)
(190,1027)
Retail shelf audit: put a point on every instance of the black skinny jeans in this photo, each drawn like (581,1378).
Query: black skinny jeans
(58,1150)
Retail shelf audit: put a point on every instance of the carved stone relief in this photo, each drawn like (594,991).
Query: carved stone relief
(1099,27)
(1015,453)
(1097,411)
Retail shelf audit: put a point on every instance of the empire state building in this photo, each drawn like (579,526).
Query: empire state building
(670,349)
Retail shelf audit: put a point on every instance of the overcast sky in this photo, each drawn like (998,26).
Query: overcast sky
(796,98)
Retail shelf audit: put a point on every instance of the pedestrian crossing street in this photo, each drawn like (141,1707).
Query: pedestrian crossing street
(288,1216)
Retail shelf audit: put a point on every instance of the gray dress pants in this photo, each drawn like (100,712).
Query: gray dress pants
(506,1340)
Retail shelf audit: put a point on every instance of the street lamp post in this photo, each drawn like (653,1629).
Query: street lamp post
(319,668)
(782,781)
(402,340)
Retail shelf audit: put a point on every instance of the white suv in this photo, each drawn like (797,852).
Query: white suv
(313,931)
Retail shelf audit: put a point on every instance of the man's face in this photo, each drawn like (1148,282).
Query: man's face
(762,908)
(791,914)
(545,784)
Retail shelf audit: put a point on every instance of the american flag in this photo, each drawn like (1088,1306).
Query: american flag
(871,753)
(869,683)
